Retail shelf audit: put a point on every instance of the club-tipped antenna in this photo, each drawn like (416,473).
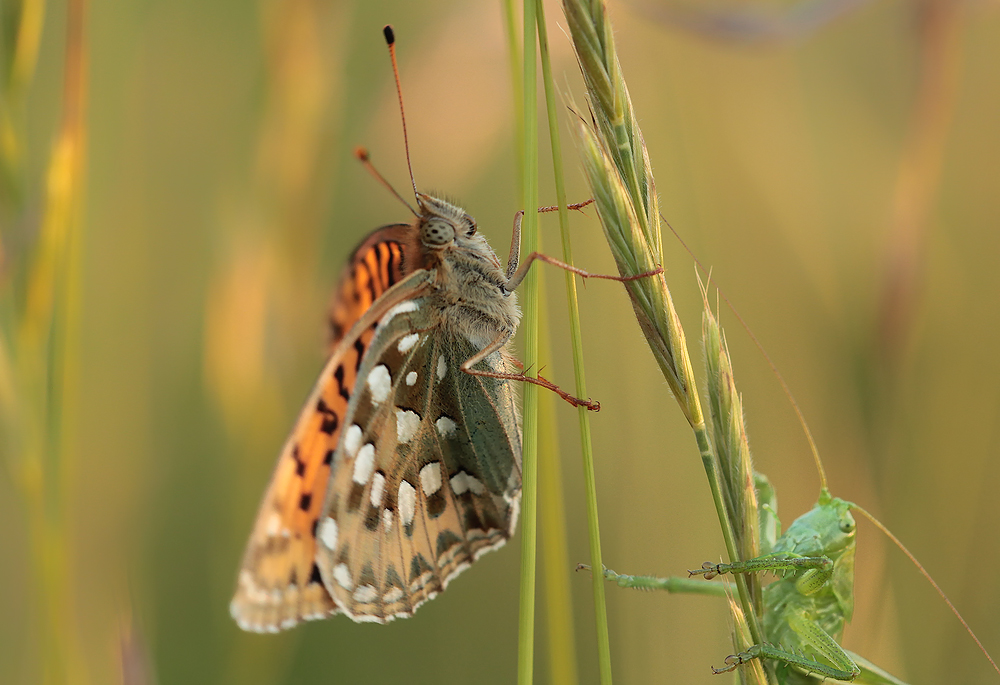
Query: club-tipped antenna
(390,40)
(363,157)
(878,524)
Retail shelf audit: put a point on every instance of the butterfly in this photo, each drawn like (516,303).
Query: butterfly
(404,466)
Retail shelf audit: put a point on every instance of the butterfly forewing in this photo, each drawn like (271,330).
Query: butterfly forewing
(427,477)
(279,583)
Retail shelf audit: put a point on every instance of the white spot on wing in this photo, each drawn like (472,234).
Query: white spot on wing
(407,342)
(273,525)
(386,520)
(328,533)
(411,378)
(401,308)
(445,426)
(379,383)
(442,368)
(365,594)
(378,488)
(430,478)
(342,575)
(407,423)
(407,502)
(393,595)
(352,440)
(462,482)
(364,464)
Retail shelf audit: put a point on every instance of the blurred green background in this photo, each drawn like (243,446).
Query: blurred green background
(842,184)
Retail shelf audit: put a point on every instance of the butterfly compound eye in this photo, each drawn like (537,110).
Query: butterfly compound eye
(437,232)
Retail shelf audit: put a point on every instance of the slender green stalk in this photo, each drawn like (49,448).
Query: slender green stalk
(554,548)
(516,88)
(576,338)
(529,295)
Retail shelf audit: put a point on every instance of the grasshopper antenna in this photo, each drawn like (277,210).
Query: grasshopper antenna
(815,451)
(878,524)
(390,40)
(363,157)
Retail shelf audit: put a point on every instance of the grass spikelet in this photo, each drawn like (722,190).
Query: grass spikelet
(633,254)
(620,177)
(725,408)
(752,671)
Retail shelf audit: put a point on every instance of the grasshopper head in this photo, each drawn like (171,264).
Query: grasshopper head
(827,530)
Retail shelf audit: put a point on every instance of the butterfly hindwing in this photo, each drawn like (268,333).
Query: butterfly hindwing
(427,477)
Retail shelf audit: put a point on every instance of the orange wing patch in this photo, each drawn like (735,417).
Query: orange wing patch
(376,265)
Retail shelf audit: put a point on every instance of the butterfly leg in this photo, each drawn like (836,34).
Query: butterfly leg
(516,273)
(496,345)
(575,205)
(515,238)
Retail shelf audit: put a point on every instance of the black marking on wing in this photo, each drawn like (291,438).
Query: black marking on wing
(330,418)
(344,392)
(359,348)
(314,575)
(436,503)
(419,566)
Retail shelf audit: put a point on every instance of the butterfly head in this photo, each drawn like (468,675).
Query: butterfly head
(443,224)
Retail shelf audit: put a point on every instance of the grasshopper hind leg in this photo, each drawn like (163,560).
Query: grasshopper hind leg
(837,664)
(799,662)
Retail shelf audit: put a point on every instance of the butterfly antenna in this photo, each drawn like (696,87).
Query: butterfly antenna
(390,40)
(878,524)
(363,157)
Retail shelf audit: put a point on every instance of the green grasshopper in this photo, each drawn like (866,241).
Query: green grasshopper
(804,611)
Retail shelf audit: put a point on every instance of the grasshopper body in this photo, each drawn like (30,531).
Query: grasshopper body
(807,607)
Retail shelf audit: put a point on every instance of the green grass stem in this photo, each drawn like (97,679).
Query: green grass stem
(516,87)
(554,548)
(576,338)
(529,324)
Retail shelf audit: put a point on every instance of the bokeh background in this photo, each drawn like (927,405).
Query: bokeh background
(841,177)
